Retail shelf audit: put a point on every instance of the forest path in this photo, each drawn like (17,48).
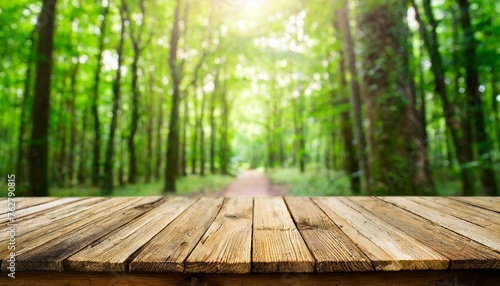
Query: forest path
(252,184)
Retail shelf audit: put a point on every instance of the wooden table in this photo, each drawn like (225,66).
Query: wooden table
(254,241)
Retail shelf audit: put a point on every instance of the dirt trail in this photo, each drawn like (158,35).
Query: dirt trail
(252,184)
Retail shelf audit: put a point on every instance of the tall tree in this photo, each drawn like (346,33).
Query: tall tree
(107,180)
(396,157)
(224,149)
(138,47)
(151,111)
(73,132)
(348,47)
(21,144)
(172,160)
(38,153)
(96,152)
(213,125)
(351,163)
(461,141)
(475,107)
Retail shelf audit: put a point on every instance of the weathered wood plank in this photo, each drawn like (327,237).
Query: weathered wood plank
(277,244)
(485,218)
(26,202)
(374,252)
(331,248)
(491,203)
(465,228)
(50,255)
(462,252)
(406,253)
(226,246)
(38,225)
(375,278)
(168,250)
(27,211)
(108,255)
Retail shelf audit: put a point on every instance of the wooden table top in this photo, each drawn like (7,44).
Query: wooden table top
(254,235)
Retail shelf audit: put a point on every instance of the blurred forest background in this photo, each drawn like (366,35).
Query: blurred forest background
(332,97)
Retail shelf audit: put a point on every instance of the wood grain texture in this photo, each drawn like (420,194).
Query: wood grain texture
(25,202)
(405,252)
(277,244)
(463,227)
(209,236)
(485,218)
(331,248)
(168,250)
(108,255)
(28,212)
(65,241)
(375,278)
(226,246)
(35,229)
(462,252)
(490,203)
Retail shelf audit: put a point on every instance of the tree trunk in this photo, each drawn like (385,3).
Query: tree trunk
(58,169)
(224,129)
(132,168)
(213,125)
(355,97)
(107,184)
(300,140)
(194,146)
(475,112)
(351,163)
(149,153)
(159,125)
(172,161)
(202,134)
(137,48)
(82,166)
(463,148)
(96,152)
(38,153)
(73,131)
(20,166)
(184,135)
(396,159)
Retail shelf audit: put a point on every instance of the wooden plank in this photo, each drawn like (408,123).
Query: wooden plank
(168,250)
(277,244)
(108,255)
(490,203)
(374,253)
(226,246)
(37,225)
(20,214)
(375,278)
(26,202)
(465,228)
(331,248)
(33,233)
(50,255)
(485,218)
(405,252)
(462,252)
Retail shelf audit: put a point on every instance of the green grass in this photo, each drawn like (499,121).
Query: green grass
(185,186)
(313,182)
